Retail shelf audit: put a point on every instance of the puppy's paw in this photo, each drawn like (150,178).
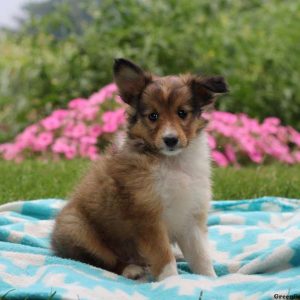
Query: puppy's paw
(134,272)
(169,270)
(212,274)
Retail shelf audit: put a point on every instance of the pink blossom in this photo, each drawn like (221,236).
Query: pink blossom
(103,94)
(111,121)
(256,157)
(295,136)
(51,123)
(60,114)
(68,129)
(230,153)
(212,142)
(88,140)
(10,151)
(43,140)
(297,156)
(92,152)
(110,127)
(95,130)
(219,158)
(78,104)
(225,117)
(79,130)
(89,113)
(60,145)
(70,152)
(272,121)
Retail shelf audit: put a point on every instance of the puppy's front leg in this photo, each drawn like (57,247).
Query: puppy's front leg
(194,245)
(154,246)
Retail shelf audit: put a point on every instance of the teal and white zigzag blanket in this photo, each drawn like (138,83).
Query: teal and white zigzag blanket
(255,245)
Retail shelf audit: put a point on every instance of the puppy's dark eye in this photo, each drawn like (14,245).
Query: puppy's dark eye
(153,116)
(182,114)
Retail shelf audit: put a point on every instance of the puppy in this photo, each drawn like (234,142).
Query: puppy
(153,191)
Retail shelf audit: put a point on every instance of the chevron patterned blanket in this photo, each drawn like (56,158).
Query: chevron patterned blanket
(255,245)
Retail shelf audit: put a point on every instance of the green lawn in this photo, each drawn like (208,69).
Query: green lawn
(36,180)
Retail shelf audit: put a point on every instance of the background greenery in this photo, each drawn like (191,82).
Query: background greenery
(64,49)
(37,180)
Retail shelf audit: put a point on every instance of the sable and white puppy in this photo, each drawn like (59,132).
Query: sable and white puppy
(152,192)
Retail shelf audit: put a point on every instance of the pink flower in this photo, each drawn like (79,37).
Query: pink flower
(92,152)
(68,130)
(297,156)
(219,158)
(103,94)
(79,130)
(43,140)
(256,157)
(110,121)
(70,152)
(9,151)
(272,121)
(88,113)
(294,136)
(60,145)
(211,142)
(77,103)
(95,130)
(51,123)
(230,153)
(225,117)
(110,127)
(60,114)
(89,140)
(120,116)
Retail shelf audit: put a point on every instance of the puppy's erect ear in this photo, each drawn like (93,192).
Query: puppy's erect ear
(130,79)
(205,90)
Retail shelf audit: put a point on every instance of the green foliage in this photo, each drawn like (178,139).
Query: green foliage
(66,50)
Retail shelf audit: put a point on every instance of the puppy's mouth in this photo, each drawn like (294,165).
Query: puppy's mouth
(171,151)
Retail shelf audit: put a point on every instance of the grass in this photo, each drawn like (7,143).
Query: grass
(36,180)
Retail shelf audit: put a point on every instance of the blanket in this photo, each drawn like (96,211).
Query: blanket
(255,245)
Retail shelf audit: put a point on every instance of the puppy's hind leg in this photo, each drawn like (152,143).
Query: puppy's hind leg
(74,238)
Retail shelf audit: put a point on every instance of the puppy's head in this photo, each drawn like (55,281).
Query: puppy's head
(165,112)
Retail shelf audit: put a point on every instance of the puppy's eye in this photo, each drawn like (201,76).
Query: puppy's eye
(153,116)
(182,114)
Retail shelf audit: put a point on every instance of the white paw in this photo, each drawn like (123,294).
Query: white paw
(177,252)
(134,272)
(212,274)
(169,270)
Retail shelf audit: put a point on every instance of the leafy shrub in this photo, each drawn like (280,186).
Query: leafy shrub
(58,55)
(87,126)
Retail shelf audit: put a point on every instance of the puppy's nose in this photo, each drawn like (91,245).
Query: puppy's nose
(170,140)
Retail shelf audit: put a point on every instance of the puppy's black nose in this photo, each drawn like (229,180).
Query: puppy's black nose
(170,141)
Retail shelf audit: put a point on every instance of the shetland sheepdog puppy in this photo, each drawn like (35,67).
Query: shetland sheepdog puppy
(152,192)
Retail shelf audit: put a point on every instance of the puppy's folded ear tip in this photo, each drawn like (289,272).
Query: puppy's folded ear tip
(117,63)
(216,84)
(120,63)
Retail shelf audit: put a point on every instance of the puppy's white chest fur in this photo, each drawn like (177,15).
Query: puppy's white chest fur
(183,185)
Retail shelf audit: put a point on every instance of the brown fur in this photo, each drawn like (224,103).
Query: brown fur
(114,216)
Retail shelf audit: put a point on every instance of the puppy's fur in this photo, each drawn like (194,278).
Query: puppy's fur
(153,191)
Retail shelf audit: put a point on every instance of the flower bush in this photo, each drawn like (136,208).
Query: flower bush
(237,139)
(78,131)
(88,125)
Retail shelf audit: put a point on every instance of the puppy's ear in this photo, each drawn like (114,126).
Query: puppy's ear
(130,79)
(205,90)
